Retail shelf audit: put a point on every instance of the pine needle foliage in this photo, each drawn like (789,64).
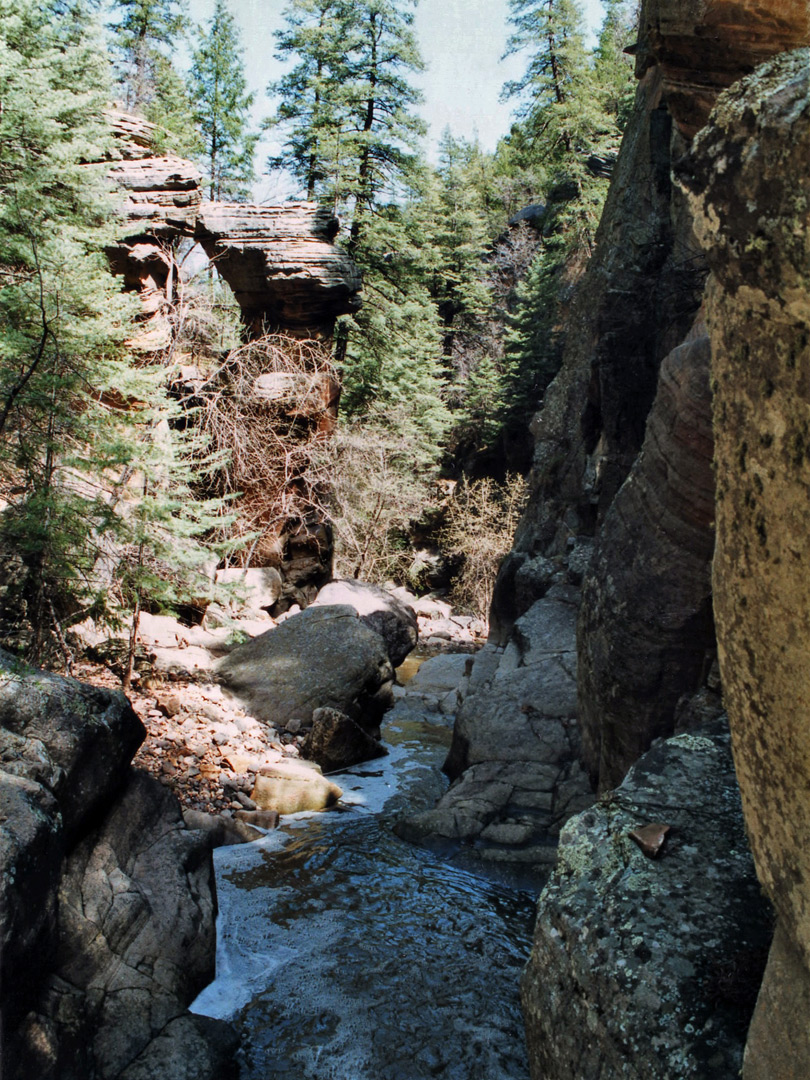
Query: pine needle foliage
(222,108)
(83,474)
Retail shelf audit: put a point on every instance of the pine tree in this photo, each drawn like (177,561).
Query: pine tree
(558,99)
(144,30)
(614,69)
(565,140)
(61,319)
(310,111)
(171,111)
(77,418)
(222,106)
(382,133)
(462,233)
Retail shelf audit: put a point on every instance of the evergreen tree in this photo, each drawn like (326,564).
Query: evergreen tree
(564,143)
(346,105)
(222,106)
(171,110)
(311,107)
(61,320)
(144,31)
(77,418)
(382,134)
(614,69)
(462,233)
(557,95)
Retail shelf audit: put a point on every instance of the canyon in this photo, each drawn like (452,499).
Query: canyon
(632,737)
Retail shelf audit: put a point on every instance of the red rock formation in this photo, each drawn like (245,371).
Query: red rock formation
(281,264)
(280,261)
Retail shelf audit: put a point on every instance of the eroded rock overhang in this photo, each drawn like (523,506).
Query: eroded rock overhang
(280,261)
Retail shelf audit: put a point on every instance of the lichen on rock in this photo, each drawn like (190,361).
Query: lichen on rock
(648,967)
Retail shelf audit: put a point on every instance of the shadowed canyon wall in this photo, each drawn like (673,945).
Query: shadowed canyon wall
(622,521)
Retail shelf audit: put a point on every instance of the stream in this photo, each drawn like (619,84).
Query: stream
(345,953)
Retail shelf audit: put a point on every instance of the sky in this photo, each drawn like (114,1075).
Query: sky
(462,42)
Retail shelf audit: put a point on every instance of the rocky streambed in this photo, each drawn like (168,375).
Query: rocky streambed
(345,953)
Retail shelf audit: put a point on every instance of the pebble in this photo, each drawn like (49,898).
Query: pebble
(171,705)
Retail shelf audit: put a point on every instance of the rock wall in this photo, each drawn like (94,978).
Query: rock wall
(646,633)
(107,901)
(623,501)
(750,184)
(289,279)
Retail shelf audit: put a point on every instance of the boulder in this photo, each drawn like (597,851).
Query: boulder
(255,589)
(74,739)
(387,615)
(514,759)
(135,944)
(221,831)
(647,963)
(106,900)
(281,263)
(31,853)
(748,181)
(322,657)
(290,787)
(137,933)
(336,742)
(189,1048)
(259,819)
(440,682)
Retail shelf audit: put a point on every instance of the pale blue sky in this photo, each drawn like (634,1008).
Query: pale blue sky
(462,42)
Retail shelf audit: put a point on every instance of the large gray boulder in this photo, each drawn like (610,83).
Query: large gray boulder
(323,657)
(514,759)
(389,616)
(336,742)
(649,966)
(137,908)
(74,739)
(107,901)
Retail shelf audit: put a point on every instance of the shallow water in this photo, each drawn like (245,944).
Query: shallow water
(345,953)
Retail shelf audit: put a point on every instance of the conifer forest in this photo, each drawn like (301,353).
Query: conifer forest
(116,492)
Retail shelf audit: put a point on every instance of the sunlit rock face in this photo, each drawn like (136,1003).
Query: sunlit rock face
(749,181)
(280,261)
(646,957)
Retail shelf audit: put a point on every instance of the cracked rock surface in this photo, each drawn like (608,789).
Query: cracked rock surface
(514,761)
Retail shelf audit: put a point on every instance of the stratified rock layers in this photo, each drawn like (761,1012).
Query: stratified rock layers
(280,261)
(648,967)
(646,634)
(749,177)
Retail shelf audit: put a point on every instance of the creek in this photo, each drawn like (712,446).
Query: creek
(345,953)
